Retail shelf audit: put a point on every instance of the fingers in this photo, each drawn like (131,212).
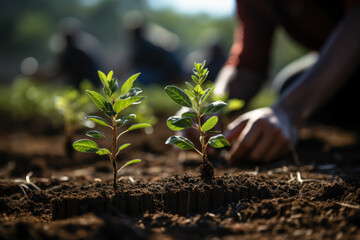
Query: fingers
(271,145)
(245,142)
(259,141)
(232,134)
(263,145)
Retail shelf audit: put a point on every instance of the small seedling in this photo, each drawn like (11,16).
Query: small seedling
(194,98)
(73,105)
(111,105)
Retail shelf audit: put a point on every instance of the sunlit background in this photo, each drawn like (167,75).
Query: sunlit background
(47,46)
(31,31)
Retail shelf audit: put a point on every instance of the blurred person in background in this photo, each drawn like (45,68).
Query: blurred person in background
(77,56)
(213,51)
(152,51)
(320,87)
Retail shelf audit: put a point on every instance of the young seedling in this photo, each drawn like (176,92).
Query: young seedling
(112,105)
(73,105)
(194,98)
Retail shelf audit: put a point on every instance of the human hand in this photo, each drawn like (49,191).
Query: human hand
(261,135)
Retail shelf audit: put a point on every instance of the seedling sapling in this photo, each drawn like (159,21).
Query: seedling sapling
(194,98)
(112,104)
(73,105)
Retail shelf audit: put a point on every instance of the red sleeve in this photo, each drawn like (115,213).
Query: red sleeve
(253,35)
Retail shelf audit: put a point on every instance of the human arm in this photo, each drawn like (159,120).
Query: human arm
(268,133)
(248,62)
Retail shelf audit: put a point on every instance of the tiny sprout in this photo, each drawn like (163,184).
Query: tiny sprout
(194,98)
(111,105)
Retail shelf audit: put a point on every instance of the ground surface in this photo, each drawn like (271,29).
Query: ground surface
(162,198)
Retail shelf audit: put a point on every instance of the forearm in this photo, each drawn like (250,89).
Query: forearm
(247,66)
(238,83)
(337,61)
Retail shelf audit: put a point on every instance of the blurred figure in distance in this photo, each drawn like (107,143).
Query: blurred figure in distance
(152,51)
(77,56)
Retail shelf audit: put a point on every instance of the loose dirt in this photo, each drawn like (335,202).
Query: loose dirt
(45,195)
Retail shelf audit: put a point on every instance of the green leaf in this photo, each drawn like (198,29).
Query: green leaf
(125,120)
(169,122)
(107,91)
(181,142)
(109,110)
(199,90)
(123,146)
(197,66)
(183,122)
(209,124)
(202,65)
(196,72)
(113,85)
(214,107)
(103,151)
(98,120)
(207,94)
(99,100)
(129,163)
(189,86)
(195,79)
(109,77)
(95,134)
(235,104)
(103,78)
(137,126)
(125,88)
(178,96)
(132,93)
(204,75)
(111,113)
(190,93)
(218,141)
(176,123)
(121,104)
(190,114)
(86,146)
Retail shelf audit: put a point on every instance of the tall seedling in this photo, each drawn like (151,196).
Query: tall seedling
(194,98)
(112,104)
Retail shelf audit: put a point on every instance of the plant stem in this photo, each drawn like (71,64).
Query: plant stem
(113,153)
(202,135)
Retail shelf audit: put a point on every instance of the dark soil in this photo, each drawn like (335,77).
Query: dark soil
(164,197)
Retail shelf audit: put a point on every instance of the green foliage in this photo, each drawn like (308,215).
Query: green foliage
(218,141)
(95,134)
(98,120)
(86,146)
(178,96)
(26,100)
(194,98)
(129,163)
(73,105)
(181,142)
(209,124)
(112,104)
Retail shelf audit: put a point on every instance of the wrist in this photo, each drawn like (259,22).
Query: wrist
(238,83)
(286,123)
